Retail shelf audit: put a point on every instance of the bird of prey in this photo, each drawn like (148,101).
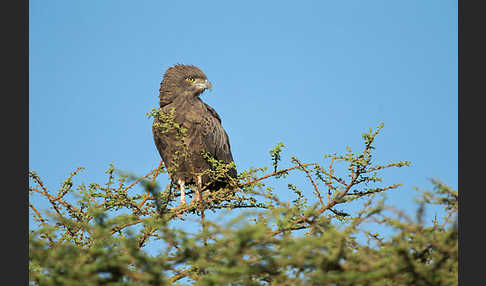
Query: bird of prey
(180,92)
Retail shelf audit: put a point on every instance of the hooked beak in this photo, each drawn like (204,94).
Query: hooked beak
(204,84)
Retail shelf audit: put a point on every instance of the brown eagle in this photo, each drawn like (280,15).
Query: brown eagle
(179,90)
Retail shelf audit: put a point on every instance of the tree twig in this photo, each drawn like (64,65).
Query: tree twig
(316,189)
(273,174)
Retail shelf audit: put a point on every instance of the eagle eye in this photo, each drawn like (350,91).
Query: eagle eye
(190,79)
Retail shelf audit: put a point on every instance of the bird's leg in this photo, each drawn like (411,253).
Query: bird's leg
(183,192)
(197,196)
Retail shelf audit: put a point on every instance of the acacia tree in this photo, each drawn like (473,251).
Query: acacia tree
(101,236)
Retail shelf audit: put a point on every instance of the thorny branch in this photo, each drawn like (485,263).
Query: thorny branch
(300,223)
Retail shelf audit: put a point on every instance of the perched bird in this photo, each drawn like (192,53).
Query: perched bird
(180,92)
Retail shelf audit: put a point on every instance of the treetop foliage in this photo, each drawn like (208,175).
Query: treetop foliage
(98,234)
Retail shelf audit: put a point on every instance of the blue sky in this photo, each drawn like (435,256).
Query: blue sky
(314,75)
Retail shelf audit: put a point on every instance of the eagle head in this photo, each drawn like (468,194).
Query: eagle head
(182,80)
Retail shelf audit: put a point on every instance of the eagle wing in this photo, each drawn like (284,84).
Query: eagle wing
(214,138)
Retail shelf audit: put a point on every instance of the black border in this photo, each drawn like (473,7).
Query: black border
(15,141)
(471,144)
